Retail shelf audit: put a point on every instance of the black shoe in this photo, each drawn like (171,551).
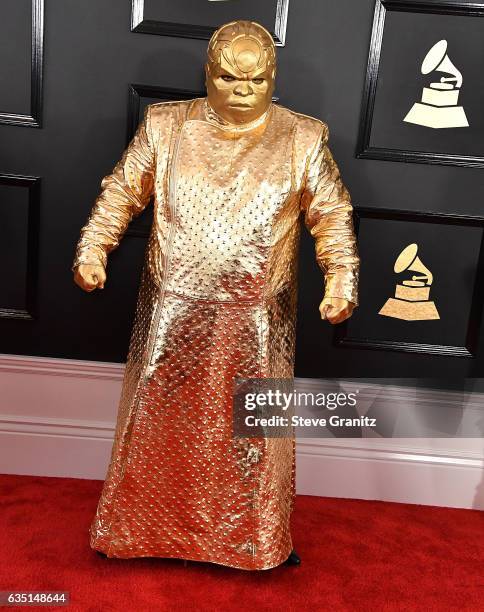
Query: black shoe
(101,554)
(293,559)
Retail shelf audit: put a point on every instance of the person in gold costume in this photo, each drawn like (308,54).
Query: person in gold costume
(229,174)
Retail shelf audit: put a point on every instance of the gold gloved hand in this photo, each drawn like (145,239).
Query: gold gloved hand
(335,309)
(90,277)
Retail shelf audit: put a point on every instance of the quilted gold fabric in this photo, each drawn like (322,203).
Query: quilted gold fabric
(217,300)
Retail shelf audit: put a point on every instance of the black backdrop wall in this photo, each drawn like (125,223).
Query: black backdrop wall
(92,61)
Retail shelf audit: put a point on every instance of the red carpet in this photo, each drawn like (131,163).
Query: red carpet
(356,555)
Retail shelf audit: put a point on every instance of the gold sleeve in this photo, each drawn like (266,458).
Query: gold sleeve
(328,215)
(125,193)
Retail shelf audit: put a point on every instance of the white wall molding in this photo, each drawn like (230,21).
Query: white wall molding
(57,418)
(73,428)
(61,367)
(394,452)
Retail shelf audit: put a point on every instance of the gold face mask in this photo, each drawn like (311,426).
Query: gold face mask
(240,71)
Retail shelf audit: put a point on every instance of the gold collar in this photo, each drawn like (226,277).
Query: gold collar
(215,119)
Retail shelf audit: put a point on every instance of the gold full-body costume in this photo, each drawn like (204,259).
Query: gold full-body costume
(217,300)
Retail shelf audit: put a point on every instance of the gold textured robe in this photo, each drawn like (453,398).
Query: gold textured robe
(217,300)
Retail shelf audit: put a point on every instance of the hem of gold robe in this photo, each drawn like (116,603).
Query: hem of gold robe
(201,558)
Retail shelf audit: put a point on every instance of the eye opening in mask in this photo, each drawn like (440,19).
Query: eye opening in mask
(229,78)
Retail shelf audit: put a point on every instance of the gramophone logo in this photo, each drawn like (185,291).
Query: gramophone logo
(439,106)
(411,301)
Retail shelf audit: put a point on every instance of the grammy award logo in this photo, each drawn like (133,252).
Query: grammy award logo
(411,301)
(439,106)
